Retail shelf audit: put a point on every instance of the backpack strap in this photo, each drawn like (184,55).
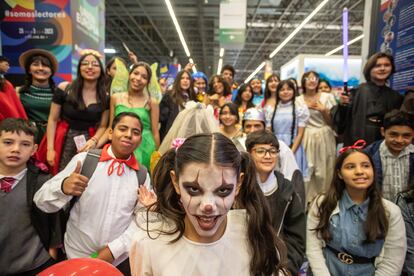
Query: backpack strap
(142,175)
(91,162)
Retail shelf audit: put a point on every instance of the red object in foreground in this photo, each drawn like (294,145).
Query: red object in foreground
(81,267)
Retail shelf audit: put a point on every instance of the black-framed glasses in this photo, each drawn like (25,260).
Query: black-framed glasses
(261,152)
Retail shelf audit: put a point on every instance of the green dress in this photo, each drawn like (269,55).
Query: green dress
(147,146)
(36,102)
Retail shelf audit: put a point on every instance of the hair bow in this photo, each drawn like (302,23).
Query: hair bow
(359,144)
(177,142)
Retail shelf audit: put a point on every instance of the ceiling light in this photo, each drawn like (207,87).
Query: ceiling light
(307,19)
(220,64)
(221,52)
(342,46)
(255,72)
(177,27)
(281,45)
(109,51)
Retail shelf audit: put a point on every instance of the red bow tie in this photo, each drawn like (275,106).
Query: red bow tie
(131,162)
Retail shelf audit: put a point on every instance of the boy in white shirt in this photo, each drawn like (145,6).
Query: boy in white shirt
(101,220)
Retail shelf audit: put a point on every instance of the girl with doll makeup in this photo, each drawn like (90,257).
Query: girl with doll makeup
(192,228)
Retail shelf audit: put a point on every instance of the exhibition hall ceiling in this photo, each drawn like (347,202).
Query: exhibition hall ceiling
(147,28)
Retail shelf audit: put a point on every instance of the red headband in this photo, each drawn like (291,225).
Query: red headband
(359,144)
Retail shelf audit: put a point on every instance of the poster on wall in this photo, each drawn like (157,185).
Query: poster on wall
(88,28)
(396,37)
(62,27)
(36,24)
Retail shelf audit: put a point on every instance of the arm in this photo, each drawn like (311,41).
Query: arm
(294,233)
(314,244)
(409,227)
(122,244)
(54,116)
(103,139)
(50,197)
(155,115)
(391,260)
(298,139)
(93,141)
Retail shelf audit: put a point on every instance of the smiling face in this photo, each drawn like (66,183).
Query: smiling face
(40,72)
(125,137)
(228,76)
(311,82)
(247,94)
(15,150)
(111,71)
(381,71)
(256,85)
(218,86)
(227,118)
(272,85)
(324,87)
(90,68)
(357,172)
(200,84)
(265,158)
(207,193)
(397,138)
(286,93)
(138,78)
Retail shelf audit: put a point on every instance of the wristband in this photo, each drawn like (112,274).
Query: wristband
(94,255)
(94,139)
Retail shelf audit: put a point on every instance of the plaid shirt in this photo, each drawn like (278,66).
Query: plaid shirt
(395,170)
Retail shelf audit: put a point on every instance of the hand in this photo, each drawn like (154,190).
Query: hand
(76,183)
(133,58)
(53,252)
(344,99)
(189,66)
(105,254)
(50,157)
(90,144)
(317,106)
(146,197)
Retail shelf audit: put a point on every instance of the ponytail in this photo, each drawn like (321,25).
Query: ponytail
(168,201)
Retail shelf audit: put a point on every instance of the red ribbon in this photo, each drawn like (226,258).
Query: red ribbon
(131,162)
(359,144)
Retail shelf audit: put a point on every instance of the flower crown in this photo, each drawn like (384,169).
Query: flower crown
(90,52)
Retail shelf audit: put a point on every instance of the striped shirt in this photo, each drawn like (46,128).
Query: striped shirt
(395,170)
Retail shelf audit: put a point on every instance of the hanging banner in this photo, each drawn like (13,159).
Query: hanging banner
(232,33)
(396,36)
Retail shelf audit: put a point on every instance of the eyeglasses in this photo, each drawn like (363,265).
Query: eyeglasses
(311,79)
(261,152)
(92,63)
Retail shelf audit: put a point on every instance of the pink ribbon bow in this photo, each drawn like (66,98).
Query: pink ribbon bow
(359,144)
(177,142)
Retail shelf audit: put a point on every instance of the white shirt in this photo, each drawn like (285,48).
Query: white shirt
(270,185)
(230,255)
(287,163)
(18,177)
(103,215)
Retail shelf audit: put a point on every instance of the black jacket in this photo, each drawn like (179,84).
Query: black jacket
(168,112)
(289,221)
(46,225)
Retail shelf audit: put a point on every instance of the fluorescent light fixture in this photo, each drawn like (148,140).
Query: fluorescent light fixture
(220,64)
(342,46)
(221,52)
(255,72)
(307,19)
(109,51)
(177,27)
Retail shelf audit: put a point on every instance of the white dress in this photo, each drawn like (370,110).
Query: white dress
(320,147)
(157,256)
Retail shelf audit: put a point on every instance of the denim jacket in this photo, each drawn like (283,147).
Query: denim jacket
(391,253)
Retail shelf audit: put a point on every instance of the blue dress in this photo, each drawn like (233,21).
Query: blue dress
(282,124)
